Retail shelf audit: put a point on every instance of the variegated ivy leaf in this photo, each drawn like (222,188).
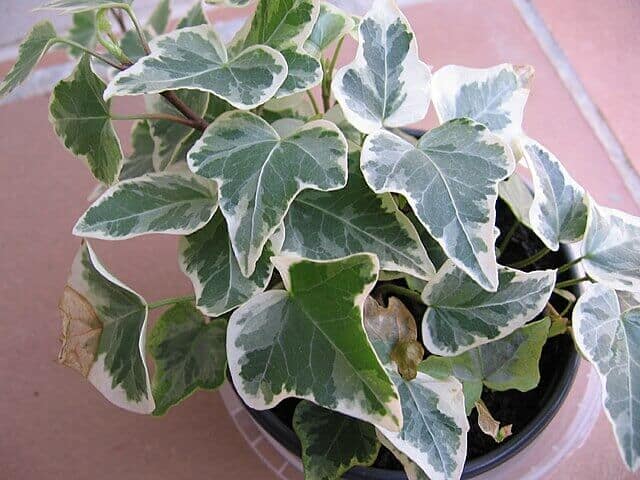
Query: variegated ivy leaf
(159,18)
(295,106)
(351,133)
(331,25)
(170,137)
(284,25)
(332,443)
(195,58)
(494,96)
(504,364)
(386,85)
(259,173)
(172,203)
(85,127)
(517,195)
(559,209)
(113,362)
(611,248)
(194,17)
(83,31)
(206,257)
(131,46)
(289,344)
(230,3)
(412,470)
(456,167)
(141,159)
(31,50)
(461,315)
(189,353)
(73,6)
(610,339)
(325,225)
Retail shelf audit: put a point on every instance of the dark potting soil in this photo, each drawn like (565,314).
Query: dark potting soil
(510,407)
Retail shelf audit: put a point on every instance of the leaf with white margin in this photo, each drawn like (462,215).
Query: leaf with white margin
(194,17)
(85,127)
(259,173)
(189,353)
(610,339)
(284,25)
(171,203)
(351,133)
(386,85)
(412,470)
(332,24)
(332,443)
(508,363)
(290,344)
(206,257)
(494,96)
(195,58)
(31,50)
(559,209)
(461,315)
(611,248)
(325,225)
(517,195)
(119,370)
(450,180)
(73,6)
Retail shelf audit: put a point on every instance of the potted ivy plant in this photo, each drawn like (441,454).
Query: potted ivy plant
(404,296)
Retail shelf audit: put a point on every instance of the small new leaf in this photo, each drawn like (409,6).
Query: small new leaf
(332,24)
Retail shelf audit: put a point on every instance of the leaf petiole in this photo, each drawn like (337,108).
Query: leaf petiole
(171,301)
(532,259)
(570,264)
(508,236)
(100,57)
(572,282)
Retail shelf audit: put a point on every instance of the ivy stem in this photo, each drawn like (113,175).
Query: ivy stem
(313,102)
(572,282)
(199,123)
(532,259)
(171,301)
(138,27)
(328,77)
(156,116)
(390,288)
(570,264)
(120,20)
(100,57)
(508,236)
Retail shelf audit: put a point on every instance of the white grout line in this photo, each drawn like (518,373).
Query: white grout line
(581,97)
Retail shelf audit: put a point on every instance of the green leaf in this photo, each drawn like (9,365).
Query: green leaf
(413,471)
(31,50)
(195,58)
(494,96)
(517,195)
(610,340)
(206,257)
(115,364)
(83,31)
(386,85)
(159,18)
(504,364)
(559,209)
(131,46)
(295,106)
(189,353)
(457,167)
(332,443)
(85,127)
(352,220)
(141,159)
(290,344)
(194,17)
(431,245)
(611,249)
(74,6)
(461,315)
(351,133)
(284,25)
(259,173)
(332,24)
(172,203)
(170,138)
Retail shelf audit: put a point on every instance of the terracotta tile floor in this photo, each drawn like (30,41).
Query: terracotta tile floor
(54,425)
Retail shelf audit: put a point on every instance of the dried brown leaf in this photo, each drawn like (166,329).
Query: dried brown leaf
(490,425)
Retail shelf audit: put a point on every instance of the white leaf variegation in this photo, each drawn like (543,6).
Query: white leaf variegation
(355,220)
(207,258)
(450,180)
(386,85)
(610,339)
(115,361)
(611,248)
(195,58)
(289,344)
(461,315)
(494,96)
(411,469)
(259,173)
(558,212)
(517,195)
(74,6)
(170,203)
